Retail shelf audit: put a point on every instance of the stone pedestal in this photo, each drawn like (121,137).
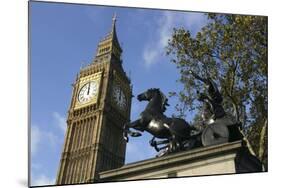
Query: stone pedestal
(228,158)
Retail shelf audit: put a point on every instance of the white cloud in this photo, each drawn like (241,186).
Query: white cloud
(196,21)
(45,139)
(35,166)
(51,138)
(60,121)
(155,48)
(150,55)
(39,137)
(42,180)
(35,139)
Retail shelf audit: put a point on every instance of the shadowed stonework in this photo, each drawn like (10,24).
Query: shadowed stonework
(226,158)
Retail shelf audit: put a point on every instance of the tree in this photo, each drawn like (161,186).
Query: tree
(232,50)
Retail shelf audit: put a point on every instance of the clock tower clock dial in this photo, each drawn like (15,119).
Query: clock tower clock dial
(88,91)
(119,97)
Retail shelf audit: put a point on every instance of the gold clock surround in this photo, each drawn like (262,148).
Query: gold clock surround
(84,80)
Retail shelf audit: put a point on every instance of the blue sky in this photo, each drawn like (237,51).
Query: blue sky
(63,37)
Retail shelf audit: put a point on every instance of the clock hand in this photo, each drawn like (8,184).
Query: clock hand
(119,94)
(88,89)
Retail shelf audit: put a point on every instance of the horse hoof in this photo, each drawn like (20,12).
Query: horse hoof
(126,139)
(152,143)
(136,134)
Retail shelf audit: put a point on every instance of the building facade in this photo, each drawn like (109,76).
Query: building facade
(100,106)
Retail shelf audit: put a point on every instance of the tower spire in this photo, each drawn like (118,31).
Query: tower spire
(113,28)
(110,43)
(114,18)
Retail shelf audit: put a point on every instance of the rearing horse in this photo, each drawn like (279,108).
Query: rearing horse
(153,120)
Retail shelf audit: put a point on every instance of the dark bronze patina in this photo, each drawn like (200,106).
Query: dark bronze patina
(175,134)
(212,99)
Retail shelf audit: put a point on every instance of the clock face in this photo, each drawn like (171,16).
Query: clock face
(88,91)
(119,97)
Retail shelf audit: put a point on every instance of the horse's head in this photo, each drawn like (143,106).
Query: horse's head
(147,95)
(152,94)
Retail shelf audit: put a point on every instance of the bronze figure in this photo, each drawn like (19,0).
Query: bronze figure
(175,131)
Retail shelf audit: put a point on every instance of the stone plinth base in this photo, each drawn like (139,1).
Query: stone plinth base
(228,158)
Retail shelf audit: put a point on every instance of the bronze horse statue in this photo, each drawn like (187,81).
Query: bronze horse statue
(174,131)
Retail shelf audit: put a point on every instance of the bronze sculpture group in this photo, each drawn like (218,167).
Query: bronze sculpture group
(172,134)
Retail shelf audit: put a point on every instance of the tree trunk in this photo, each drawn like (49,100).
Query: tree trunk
(262,140)
(248,143)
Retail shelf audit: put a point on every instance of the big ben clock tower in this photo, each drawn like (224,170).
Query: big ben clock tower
(100,106)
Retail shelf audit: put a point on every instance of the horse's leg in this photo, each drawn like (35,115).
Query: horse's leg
(174,144)
(158,142)
(162,150)
(135,125)
(155,144)
(126,130)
